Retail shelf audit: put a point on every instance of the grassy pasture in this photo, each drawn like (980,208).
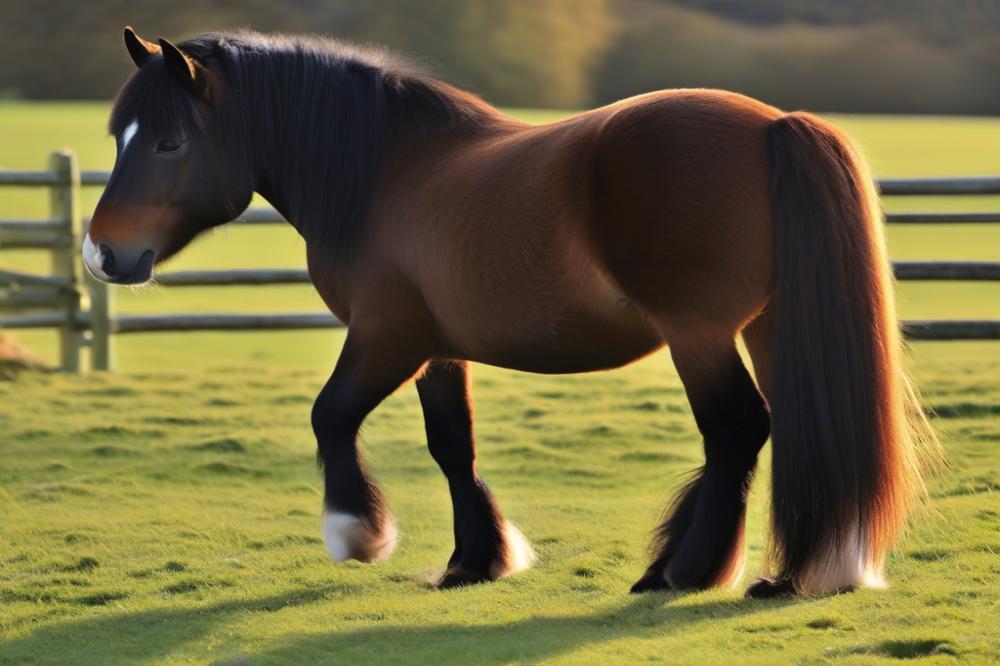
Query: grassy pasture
(169,513)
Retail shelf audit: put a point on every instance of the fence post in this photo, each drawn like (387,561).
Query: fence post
(64,203)
(102,343)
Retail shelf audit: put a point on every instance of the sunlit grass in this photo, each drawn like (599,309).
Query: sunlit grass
(172,515)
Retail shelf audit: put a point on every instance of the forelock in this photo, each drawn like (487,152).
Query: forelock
(153,97)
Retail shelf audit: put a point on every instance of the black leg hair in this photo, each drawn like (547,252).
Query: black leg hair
(357,523)
(482,551)
(700,543)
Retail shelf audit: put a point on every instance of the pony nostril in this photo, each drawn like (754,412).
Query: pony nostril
(107,260)
(144,267)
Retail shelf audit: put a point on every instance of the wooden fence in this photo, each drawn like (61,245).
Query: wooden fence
(81,307)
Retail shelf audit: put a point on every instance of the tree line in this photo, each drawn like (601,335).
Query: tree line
(917,56)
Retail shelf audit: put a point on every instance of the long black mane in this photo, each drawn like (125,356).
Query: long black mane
(309,120)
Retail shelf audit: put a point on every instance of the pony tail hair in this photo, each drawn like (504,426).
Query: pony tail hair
(846,421)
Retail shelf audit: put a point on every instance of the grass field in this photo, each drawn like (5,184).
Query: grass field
(168,513)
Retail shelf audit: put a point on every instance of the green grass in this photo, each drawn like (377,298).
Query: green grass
(172,515)
(169,512)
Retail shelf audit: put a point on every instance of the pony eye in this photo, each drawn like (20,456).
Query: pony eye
(168,146)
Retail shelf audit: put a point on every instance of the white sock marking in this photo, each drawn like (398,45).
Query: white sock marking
(346,536)
(520,554)
(843,567)
(338,529)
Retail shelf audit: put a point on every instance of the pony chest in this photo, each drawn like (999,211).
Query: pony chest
(331,287)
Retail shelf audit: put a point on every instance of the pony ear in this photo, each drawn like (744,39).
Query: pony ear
(139,48)
(185,70)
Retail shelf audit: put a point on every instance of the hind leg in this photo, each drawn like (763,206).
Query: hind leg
(757,336)
(486,545)
(700,543)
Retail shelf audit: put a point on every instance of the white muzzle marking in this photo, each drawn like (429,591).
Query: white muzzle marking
(93,259)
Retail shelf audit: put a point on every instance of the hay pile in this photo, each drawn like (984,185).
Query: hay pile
(14,357)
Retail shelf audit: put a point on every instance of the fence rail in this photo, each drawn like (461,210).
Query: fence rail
(81,308)
(233,277)
(951,329)
(946,270)
(887,186)
(939,186)
(942,218)
(224,322)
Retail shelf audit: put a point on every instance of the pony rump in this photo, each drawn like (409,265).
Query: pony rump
(845,455)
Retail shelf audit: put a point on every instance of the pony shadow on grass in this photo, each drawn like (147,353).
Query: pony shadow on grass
(141,636)
(155,634)
(524,641)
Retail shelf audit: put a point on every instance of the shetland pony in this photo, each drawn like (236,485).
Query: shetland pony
(442,231)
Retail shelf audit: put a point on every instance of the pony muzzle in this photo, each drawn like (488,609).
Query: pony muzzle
(118,265)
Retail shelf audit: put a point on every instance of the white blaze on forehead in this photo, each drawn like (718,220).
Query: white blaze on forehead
(129,133)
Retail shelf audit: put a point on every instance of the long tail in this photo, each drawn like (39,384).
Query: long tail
(844,466)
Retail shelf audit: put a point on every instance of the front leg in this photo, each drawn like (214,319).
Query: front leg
(356,522)
(486,545)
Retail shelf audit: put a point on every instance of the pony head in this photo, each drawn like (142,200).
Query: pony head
(174,175)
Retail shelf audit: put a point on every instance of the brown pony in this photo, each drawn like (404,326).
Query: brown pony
(442,231)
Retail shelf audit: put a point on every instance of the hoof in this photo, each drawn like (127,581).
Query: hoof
(453,578)
(515,555)
(348,537)
(652,581)
(766,588)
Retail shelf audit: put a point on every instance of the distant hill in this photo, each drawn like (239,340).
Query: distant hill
(919,56)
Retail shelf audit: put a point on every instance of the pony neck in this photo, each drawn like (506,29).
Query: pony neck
(320,130)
